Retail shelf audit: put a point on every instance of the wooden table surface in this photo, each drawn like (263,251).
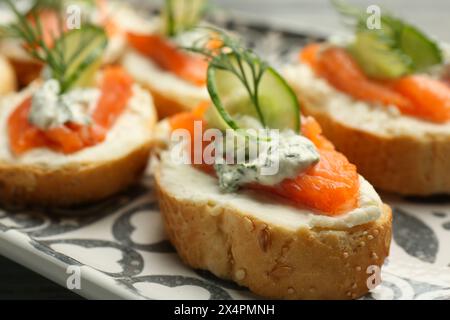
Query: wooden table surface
(433,16)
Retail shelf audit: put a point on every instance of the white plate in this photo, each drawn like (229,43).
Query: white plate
(119,249)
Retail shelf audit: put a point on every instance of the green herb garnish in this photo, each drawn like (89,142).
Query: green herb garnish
(395,49)
(73,52)
(46,4)
(58,4)
(240,62)
(182,15)
(239,82)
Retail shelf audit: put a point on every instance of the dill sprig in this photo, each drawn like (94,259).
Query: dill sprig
(182,15)
(32,35)
(47,4)
(233,57)
(417,51)
(356,17)
(65,68)
(353,16)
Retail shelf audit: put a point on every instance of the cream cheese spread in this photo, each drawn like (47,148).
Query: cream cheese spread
(51,109)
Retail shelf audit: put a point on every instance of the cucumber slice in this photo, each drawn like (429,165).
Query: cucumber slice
(278,103)
(182,15)
(377,58)
(89,3)
(395,49)
(423,51)
(82,50)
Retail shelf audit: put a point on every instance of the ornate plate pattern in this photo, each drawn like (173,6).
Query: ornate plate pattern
(121,250)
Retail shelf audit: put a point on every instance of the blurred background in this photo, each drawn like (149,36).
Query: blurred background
(432,16)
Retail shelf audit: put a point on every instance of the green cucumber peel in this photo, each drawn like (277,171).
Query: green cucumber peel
(240,83)
(401,42)
(182,15)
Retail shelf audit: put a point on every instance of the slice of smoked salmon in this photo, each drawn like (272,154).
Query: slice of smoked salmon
(186,120)
(22,135)
(331,187)
(416,95)
(105,19)
(310,55)
(166,55)
(341,70)
(430,97)
(64,139)
(312,130)
(116,89)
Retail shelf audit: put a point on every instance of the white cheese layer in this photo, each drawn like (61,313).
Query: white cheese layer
(132,129)
(142,68)
(163,82)
(272,159)
(377,119)
(187,183)
(128,19)
(50,108)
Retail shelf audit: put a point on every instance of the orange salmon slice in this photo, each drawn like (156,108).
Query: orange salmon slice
(416,95)
(167,56)
(330,188)
(116,89)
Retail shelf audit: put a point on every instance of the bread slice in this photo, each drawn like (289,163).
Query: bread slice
(25,67)
(265,244)
(8,81)
(29,69)
(44,177)
(172,94)
(394,152)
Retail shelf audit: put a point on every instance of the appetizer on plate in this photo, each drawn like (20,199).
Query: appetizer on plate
(176,78)
(383,99)
(27,67)
(80,134)
(292,220)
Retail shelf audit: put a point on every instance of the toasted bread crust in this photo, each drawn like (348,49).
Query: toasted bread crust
(272,261)
(8,82)
(71,180)
(26,70)
(400,164)
(71,184)
(165,106)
